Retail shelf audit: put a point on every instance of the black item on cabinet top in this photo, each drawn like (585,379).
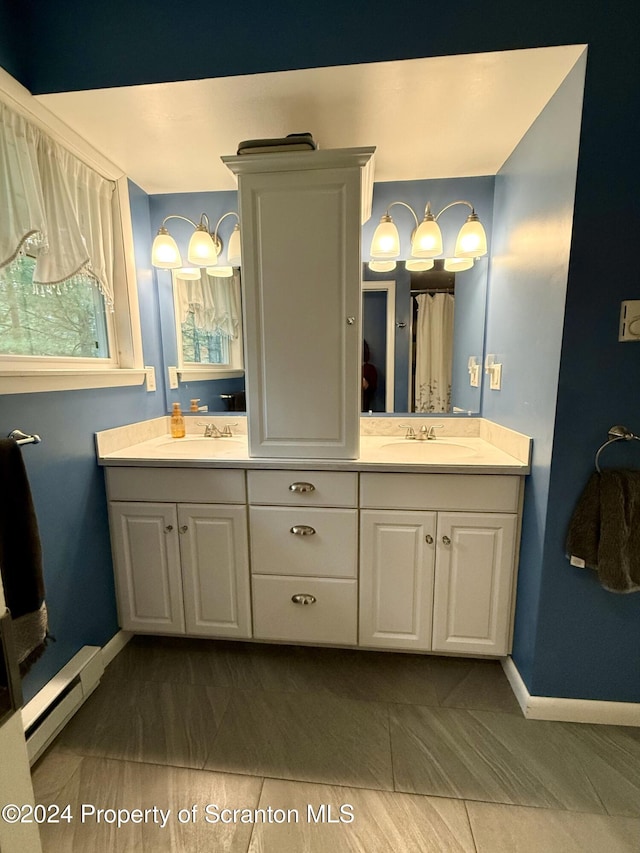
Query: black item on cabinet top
(291,142)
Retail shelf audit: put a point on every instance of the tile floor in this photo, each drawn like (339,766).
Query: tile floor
(329,750)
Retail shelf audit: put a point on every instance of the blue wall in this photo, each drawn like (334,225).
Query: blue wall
(68,486)
(87,45)
(525,310)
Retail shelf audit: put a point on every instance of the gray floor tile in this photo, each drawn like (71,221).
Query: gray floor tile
(145,721)
(482,687)
(383,821)
(107,784)
(52,772)
(610,759)
(515,829)
(304,736)
(483,755)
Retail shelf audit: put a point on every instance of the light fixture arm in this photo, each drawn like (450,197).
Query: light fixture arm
(404,204)
(179,216)
(452,204)
(217,239)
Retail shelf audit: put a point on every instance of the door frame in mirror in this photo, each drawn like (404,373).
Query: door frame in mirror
(389,288)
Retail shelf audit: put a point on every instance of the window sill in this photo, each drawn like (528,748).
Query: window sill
(197,374)
(32,381)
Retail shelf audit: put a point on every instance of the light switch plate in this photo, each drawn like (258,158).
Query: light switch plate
(173,377)
(629,320)
(151,378)
(495,381)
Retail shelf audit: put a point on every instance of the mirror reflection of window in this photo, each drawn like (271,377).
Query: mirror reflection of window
(208,319)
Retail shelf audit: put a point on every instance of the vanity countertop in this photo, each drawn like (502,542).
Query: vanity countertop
(462,454)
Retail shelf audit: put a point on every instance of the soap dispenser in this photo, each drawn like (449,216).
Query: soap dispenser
(178,429)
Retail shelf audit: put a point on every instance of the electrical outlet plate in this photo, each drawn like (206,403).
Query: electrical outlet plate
(629,320)
(151,378)
(173,377)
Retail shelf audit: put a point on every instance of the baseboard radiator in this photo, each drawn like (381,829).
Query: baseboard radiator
(53,706)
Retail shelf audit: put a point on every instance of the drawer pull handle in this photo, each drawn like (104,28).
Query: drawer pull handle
(168,528)
(184,528)
(302,487)
(446,540)
(303,598)
(429,539)
(302,530)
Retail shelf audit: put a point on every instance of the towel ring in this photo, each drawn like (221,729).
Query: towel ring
(616,433)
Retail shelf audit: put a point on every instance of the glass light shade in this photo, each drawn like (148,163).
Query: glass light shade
(202,249)
(220,272)
(419,264)
(386,240)
(234,251)
(382,266)
(472,240)
(164,252)
(427,240)
(188,273)
(458,264)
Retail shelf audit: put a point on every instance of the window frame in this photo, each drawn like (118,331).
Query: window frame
(190,371)
(125,366)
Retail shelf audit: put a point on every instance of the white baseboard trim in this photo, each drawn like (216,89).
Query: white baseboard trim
(115,645)
(569,710)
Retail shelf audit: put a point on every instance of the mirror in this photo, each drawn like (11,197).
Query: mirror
(391,329)
(201,324)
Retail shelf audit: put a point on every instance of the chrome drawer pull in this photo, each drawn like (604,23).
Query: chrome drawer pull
(429,539)
(168,528)
(302,487)
(446,540)
(302,530)
(303,598)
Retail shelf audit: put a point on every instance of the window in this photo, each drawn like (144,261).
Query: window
(208,325)
(66,322)
(68,301)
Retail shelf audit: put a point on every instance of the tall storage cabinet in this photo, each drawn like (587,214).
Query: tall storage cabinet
(301,216)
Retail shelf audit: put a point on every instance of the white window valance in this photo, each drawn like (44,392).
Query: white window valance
(213,301)
(53,207)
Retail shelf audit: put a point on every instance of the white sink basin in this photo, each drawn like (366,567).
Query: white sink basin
(433,451)
(196,445)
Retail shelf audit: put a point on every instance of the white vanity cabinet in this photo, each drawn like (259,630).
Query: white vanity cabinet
(180,551)
(304,556)
(438,558)
(301,218)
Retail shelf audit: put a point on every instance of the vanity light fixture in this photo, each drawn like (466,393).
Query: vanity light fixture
(458,264)
(426,238)
(205,246)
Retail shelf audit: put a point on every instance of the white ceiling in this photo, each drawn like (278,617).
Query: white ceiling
(452,116)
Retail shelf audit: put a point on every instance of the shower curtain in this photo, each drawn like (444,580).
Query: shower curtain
(434,352)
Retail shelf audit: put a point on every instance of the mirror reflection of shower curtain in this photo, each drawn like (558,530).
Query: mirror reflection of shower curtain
(434,352)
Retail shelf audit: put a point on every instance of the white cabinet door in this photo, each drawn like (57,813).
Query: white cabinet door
(301,271)
(147,567)
(474,581)
(215,569)
(396,579)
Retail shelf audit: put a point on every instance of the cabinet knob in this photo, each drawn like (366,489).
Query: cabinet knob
(184,528)
(302,530)
(168,528)
(429,539)
(303,598)
(446,540)
(302,487)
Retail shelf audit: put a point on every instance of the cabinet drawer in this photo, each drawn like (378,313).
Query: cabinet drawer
(331,618)
(481,492)
(177,485)
(282,541)
(328,488)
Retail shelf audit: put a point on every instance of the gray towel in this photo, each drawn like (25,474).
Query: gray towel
(604,532)
(21,557)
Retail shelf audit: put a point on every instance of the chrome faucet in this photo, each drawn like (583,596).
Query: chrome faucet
(212,431)
(428,433)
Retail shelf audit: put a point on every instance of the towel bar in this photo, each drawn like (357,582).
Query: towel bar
(616,433)
(23,438)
